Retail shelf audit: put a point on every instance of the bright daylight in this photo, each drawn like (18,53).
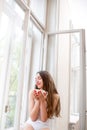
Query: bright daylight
(43,65)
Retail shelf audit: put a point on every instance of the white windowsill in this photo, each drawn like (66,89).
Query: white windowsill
(74,119)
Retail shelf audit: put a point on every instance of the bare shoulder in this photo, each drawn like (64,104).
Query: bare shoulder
(31,93)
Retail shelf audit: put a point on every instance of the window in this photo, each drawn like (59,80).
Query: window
(38,7)
(75,72)
(21,53)
(11,49)
(33,58)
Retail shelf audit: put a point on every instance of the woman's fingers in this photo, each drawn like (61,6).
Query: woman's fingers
(40,94)
(36,94)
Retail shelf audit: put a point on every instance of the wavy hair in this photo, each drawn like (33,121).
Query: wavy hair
(49,86)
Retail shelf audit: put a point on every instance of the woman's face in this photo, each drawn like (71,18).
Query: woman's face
(38,81)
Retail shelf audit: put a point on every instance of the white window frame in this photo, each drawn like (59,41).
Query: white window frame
(82,95)
(28,16)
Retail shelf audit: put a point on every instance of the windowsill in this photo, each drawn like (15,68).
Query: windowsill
(74,119)
(12,128)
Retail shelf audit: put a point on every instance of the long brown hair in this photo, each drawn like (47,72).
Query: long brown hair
(49,86)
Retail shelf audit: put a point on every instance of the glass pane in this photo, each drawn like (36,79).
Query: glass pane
(75,56)
(39,9)
(26,85)
(75,38)
(36,54)
(13,4)
(75,83)
(10,1)
(11,47)
(15,63)
(19,10)
(33,57)
(75,50)
(50,53)
(5,33)
(75,77)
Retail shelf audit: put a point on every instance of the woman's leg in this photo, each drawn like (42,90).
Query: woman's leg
(28,127)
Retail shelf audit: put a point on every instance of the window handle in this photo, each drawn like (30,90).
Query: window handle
(7,108)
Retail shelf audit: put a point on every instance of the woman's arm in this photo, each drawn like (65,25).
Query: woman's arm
(43,109)
(34,106)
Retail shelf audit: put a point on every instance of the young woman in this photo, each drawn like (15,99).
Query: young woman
(44,102)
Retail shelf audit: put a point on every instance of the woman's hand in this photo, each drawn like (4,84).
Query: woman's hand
(36,95)
(40,95)
(34,106)
(45,93)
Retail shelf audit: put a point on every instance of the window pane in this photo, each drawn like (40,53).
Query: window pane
(50,54)
(15,7)
(10,1)
(39,9)
(19,11)
(36,53)
(75,73)
(33,59)
(11,47)
(15,63)
(75,56)
(5,33)
(75,50)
